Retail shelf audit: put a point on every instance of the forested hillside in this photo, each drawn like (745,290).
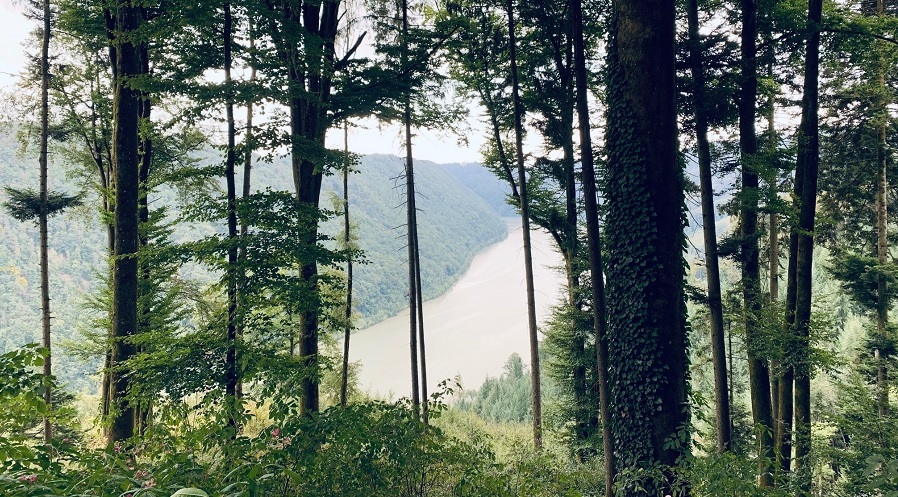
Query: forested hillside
(455,224)
(717,179)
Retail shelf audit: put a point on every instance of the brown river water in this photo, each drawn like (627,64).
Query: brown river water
(471,329)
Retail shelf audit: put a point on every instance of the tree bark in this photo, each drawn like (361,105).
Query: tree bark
(647,312)
(347,326)
(232,377)
(882,241)
(43,214)
(409,219)
(809,159)
(758,370)
(309,93)
(525,223)
(594,244)
(249,145)
(126,108)
(145,154)
(715,304)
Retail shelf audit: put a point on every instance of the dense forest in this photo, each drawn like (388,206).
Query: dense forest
(713,175)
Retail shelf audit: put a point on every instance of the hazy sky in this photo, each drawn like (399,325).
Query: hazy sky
(367,139)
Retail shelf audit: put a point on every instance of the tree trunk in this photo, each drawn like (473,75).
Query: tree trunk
(773,270)
(882,241)
(409,219)
(809,159)
(647,312)
(715,304)
(145,153)
(758,370)
(124,274)
(594,244)
(249,145)
(525,222)
(43,215)
(347,326)
(420,301)
(231,369)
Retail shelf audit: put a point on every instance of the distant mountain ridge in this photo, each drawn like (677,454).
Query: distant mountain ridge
(455,222)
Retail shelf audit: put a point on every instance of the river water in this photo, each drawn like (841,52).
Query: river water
(471,329)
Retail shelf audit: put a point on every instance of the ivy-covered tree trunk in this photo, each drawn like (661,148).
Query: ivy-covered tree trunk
(525,222)
(646,308)
(127,163)
(758,370)
(808,163)
(43,214)
(715,303)
(594,245)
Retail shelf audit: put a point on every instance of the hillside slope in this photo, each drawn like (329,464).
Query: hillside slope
(455,223)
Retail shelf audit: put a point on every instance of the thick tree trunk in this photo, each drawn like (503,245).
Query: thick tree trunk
(809,159)
(126,109)
(758,370)
(647,312)
(525,222)
(310,89)
(232,377)
(715,304)
(43,215)
(594,245)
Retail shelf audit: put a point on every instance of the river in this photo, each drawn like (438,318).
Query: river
(471,329)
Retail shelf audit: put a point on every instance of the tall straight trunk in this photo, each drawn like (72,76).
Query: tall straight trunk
(347,326)
(715,304)
(42,216)
(646,300)
(882,240)
(809,160)
(594,244)
(231,369)
(309,87)
(525,222)
(758,370)
(247,189)
(420,300)
(785,395)
(781,379)
(106,381)
(410,220)
(774,264)
(145,152)
(776,365)
(126,109)
(586,422)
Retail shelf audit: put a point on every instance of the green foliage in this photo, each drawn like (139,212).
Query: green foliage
(860,277)
(25,204)
(506,399)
